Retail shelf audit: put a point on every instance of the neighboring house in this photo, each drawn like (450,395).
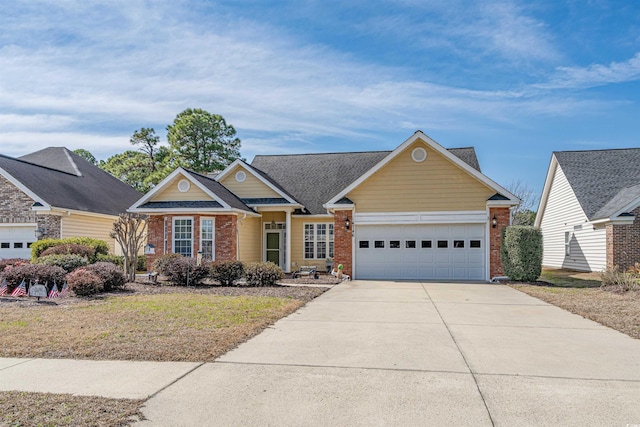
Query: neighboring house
(59,194)
(417,212)
(589,210)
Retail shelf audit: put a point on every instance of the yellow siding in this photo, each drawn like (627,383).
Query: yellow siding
(250,239)
(436,184)
(171,192)
(297,245)
(76,225)
(251,187)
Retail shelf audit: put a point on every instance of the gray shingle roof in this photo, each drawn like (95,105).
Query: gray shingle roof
(182,204)
(221,191)
(604,181)
(65,180)
(313,179)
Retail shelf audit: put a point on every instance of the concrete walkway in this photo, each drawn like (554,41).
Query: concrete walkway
(384,353)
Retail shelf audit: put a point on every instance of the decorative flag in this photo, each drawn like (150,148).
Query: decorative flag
(4,288)
(53,293)
(65,290)
(20,291)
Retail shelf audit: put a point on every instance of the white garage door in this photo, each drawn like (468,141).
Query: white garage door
(15,240)
(429,252)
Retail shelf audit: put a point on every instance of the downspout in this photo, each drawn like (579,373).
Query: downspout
(164,229)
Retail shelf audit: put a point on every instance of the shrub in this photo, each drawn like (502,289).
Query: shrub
(32,272)
(521,252)
(226,272)
(162,262)
(112,276)
(70,249)
(10,262)
(263,274)
(99,246)
(83,282)
(182,271)
(119,261)
(615,280)
(68,262)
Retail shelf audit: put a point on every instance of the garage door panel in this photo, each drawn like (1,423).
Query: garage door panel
(15,240)
(422,252)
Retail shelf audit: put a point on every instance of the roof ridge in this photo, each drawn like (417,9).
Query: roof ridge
(37,165)
(597,149)
(320,154)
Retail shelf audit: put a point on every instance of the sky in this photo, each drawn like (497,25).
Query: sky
(517,80)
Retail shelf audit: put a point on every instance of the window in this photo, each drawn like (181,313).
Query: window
(207,238)
(17,245)
(410,244)
(567,243)
(475,244)
(443,244)
(426,244)
(29,244)
(318,241)
(378,244)
(394,244)
(4,245)
(183,236)
(364,244)
(458,243)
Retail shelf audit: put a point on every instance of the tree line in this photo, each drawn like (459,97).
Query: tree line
(197,140)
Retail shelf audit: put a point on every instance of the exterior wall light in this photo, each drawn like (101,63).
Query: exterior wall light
(39,232)
(347,223)
(494,222)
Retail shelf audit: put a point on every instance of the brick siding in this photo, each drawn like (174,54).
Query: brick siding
(623,243)
(343,241)
(495,239)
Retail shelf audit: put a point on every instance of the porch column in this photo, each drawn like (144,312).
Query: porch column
(287,251)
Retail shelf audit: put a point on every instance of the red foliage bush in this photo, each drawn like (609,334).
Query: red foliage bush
(70,249)
(83,282)
(31,273)
(10,262)
(112,276)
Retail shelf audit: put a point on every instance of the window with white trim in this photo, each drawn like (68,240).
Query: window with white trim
(567,243)
(207,238)
(318,241)
(183,236)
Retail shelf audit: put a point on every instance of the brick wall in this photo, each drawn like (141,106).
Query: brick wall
(495,240)
(226,242)
(155,236)
(623,243)
(343,241)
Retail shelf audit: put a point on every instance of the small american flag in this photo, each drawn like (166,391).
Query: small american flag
(65,290)
(53,293)
(4,288)
(20,291)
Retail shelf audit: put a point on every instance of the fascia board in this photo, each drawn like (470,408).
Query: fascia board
(551,173)
(25,190)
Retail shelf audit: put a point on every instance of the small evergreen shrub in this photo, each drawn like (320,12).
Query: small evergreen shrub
(10,262)
(182,271)
(99,246)
(83,282)
(112,276)
(70,249)
(161,263)
(68,262)
(263,274)
(226,272)
(32,272)
(521,252)
(619,281)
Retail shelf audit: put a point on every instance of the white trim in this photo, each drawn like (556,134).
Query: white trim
(282,249)
(273,207)
(551,172)
(312,216)
(339,207)
(25,190)
(209,211)
(183,185)
(619,220)
(162,186)
(249,168)
(419,154)
(450,217)
(67,212)
(213,237)
(18,224)
(240,176)
(173,232)
(287,250)
(315,240)
(628,208)
(419,135)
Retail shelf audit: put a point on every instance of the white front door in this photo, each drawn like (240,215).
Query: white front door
(15,240)
(421,252)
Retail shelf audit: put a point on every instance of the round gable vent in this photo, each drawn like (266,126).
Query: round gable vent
(419,154)
(184,186)
(241,176)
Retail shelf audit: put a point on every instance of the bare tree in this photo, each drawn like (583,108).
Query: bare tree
(130,231)
(524,214)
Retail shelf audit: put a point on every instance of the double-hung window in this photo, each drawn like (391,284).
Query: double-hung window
(207,238)
(183,236)
(318,241)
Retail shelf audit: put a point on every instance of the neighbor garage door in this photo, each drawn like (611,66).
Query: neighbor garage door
(15,240)
(428,252)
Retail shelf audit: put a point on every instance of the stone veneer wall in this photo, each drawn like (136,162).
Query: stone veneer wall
(343,241)
(503,216)
(623,243)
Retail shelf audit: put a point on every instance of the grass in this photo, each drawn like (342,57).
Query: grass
(21,409)
(580,293)
(160,327)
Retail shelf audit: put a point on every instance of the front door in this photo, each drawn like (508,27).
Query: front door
(273,247)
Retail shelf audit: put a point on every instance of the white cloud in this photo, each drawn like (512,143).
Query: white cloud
(595,75)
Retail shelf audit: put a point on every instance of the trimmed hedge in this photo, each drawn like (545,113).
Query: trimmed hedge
(521,252)
(32,272)
(68,262)
(83,282)
(162,262)
(263,274)
(70,249)
(112,276)
(182,271)
(226,272)
(10,262)
(99,246)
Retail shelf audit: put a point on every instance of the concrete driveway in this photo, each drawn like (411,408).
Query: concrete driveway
(387,353)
